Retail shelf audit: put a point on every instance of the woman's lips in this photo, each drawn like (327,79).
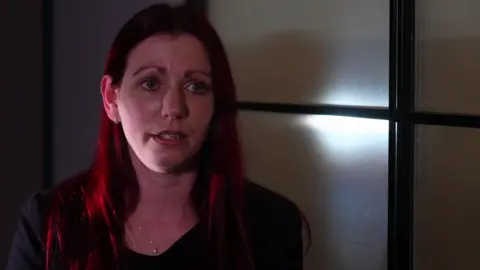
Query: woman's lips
(169,137)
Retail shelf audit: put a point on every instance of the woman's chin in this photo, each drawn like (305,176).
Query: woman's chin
(171,166)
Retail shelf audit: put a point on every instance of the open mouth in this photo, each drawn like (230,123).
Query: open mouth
(169,137)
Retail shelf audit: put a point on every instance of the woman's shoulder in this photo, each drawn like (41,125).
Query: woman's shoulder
(28,243)
(264,204)
(38,204)
(270,214)
(275,224)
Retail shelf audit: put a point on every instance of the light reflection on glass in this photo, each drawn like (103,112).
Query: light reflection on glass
(355,96)
(349,134)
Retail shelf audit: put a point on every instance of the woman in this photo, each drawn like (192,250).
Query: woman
(166,189)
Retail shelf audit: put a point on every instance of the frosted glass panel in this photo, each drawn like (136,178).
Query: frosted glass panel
(448,55)
(304,51)
(447,199)
(335,169)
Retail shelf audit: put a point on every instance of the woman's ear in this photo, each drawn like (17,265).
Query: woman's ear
(110,98)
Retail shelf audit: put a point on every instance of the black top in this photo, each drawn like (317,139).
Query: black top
(183,254)
(275,222)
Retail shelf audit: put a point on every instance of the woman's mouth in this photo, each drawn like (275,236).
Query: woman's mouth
(169,137)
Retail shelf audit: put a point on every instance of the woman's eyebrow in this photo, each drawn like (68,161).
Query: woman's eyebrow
(160,69)
(189,73)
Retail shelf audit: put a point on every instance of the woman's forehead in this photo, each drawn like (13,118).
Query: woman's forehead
(170,52)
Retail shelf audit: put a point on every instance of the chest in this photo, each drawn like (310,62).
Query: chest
(156,240)
(183,253)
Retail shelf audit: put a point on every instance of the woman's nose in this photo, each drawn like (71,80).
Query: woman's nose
(174,104)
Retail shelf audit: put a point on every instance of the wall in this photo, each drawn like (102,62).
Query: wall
(20,111)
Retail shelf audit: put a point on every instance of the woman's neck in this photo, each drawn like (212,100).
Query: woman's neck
(163,197)
(164,211)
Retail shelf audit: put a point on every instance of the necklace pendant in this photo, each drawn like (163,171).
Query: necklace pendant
(155,250)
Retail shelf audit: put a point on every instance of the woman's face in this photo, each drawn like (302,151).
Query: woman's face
(165,101)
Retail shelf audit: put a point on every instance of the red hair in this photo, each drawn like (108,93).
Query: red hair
(87,214)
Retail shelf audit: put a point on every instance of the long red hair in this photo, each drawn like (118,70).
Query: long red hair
(87,214)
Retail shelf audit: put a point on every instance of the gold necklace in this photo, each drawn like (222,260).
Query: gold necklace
(132,240)
(150,241)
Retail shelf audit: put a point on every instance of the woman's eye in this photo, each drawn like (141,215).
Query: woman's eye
(150,84)
(196,87)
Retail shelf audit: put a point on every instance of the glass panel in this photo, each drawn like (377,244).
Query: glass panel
(329,51)
(448,58)
(447,220)
(336,170)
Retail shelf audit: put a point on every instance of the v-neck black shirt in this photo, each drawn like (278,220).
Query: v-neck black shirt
(274,222)
(183,254)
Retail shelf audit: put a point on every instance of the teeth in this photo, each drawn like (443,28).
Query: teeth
(170,136)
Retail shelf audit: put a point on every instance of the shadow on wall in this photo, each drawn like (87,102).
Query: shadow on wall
(291,158)
(279,68)
(20,113)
